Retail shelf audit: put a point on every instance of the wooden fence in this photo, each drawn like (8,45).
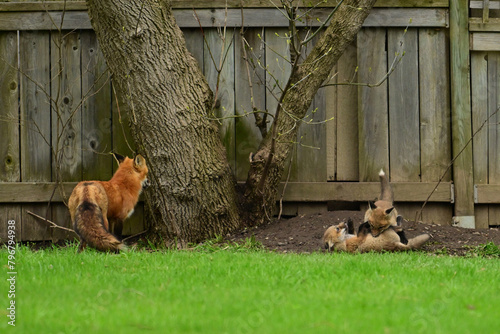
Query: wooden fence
(57,103)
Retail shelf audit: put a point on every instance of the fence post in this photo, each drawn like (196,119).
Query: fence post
(461,113)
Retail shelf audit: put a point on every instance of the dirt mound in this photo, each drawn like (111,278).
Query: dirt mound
(302,234)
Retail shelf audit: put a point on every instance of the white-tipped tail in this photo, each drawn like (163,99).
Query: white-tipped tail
(381,173)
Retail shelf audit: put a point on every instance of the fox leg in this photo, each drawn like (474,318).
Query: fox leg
(116,227)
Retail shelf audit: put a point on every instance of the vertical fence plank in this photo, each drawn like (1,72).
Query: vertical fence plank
(494,130)
(9,105)
(194,43)
(219,71)
(311,137)
(9,128)
(434,105)
(122,140)
(66,113)
(277,65)
(434,116)
(461,112)
(66,91)
(35,124)
(247,134)
(404,136)
(347,120)
(373,105)
(97,163)
(278,70)
(331,129)
(479,85)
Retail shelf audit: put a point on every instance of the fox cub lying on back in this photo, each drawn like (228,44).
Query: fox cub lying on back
(98,207)
(337,238)
(381,231)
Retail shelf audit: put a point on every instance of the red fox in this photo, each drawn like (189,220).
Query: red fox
(381,215)
(381,230)
(337,238)
(98,207)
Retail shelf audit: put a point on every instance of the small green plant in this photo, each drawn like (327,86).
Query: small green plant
(485,250)
(442,251)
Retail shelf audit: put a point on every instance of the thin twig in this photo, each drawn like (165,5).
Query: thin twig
(135,235)
(307,40)
(54,225)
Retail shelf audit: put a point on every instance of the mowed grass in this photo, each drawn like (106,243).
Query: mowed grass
(59,291)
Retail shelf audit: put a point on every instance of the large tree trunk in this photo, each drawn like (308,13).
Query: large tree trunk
(193,195)
(267,166)
(193,192)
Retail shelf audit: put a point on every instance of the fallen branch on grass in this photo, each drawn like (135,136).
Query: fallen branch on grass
(135,235)
(53,225)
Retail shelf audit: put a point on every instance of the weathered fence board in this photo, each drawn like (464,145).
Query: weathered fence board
(22,5)
(435,134)
(311,138)
(9,104)
(404,136)
(194,43)
(185,18)
(494,130)
(331,97)
(9,129)
(247,134)
(66,112)
(66,119)
(14,192)
(219,71)
(484,41)
(434,86)
(373,104)
(35,123)
(96,111)
(479,85)
(460,113)
(347,120)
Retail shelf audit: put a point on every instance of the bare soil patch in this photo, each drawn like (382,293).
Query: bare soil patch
(302,234)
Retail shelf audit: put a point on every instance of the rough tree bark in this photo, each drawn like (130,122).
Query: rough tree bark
(193,196)
(193,191)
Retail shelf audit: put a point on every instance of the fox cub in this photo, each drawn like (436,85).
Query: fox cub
(381,230)
(337,238)
(98,208)
(381,215)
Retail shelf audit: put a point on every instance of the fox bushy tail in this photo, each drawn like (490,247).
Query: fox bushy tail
(386,193)
(89,225)
(418,241)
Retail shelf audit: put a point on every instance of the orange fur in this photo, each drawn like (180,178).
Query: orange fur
(98,207)
(336,238)
(383,215)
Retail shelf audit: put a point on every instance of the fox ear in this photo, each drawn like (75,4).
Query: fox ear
(399,220)
(119,157)
(371,205)
(389,210)
(139,160)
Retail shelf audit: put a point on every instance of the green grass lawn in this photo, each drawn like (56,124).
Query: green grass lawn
(58,291)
